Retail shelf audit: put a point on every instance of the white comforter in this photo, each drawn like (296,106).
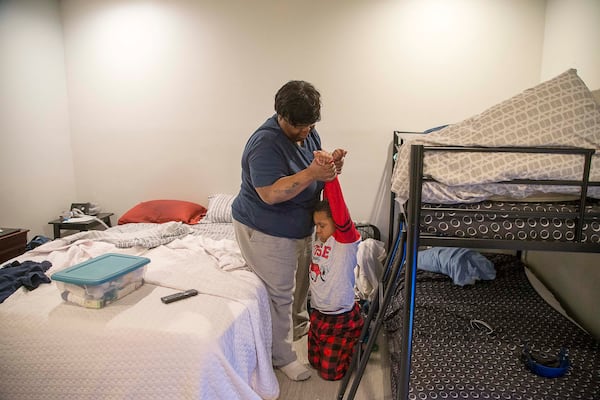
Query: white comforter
(216,345)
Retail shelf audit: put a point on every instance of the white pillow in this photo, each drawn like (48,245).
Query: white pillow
(219,208)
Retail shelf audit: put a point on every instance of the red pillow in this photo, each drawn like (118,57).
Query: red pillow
(159,211)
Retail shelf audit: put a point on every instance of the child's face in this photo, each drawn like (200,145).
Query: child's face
(324,225)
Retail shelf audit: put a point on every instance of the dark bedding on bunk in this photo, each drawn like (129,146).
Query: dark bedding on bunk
(451,358)
(549,225)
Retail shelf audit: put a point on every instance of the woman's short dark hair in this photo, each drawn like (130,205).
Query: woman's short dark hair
(299,103)
(323,205)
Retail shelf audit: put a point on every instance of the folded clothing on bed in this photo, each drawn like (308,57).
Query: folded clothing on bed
(464,266)
(28,273)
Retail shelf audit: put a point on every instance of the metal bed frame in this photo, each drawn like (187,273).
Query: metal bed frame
(408,239)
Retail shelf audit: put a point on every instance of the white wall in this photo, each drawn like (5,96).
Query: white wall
(36,159)
(571,40)
(163,95)
(574,279)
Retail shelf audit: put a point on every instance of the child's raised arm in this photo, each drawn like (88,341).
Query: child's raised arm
(346,232)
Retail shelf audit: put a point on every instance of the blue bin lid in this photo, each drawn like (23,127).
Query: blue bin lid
(99,270)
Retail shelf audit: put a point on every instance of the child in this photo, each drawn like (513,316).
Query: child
(335,321)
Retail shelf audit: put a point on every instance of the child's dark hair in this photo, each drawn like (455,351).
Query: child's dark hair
(323,205)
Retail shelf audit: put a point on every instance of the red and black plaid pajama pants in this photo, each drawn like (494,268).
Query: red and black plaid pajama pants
(331,341)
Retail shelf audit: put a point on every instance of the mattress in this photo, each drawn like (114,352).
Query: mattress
(216,345)
(491,220)
(454,358)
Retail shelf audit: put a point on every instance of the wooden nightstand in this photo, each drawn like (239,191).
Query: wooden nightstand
(60,225)
(12,243)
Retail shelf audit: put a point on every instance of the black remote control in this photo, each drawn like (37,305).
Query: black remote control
(179,296)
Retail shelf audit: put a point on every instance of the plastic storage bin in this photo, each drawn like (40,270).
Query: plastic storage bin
(101,280)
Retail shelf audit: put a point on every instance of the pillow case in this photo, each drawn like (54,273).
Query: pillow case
(219,208)
(558,112)
(160,211)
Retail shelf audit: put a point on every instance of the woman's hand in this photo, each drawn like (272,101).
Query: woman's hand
(323,167)
(338,159)
(322,157)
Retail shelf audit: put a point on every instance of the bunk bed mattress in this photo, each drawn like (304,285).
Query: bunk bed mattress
(213,345)
(492,223)
(452,358)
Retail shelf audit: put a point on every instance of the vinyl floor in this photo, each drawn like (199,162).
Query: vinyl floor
(374,385)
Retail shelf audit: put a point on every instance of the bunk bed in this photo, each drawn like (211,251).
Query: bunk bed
(527,173)
(566,226)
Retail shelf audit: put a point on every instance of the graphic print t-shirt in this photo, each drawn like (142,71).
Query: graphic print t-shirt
(333,262)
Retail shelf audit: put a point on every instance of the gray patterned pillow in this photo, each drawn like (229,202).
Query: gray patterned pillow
(596,94)
(219,208)
(559,112)
(556,112)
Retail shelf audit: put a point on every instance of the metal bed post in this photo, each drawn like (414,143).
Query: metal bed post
(395,142)
(587,164)
(412,247)
(380,303)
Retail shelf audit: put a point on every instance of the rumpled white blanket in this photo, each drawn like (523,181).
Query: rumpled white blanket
(147,236)
(369,269)
(216,345)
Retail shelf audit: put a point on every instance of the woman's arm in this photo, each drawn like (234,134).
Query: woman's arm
(288,187)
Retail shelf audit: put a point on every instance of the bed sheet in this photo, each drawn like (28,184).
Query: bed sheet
(216,345)
(455,358)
